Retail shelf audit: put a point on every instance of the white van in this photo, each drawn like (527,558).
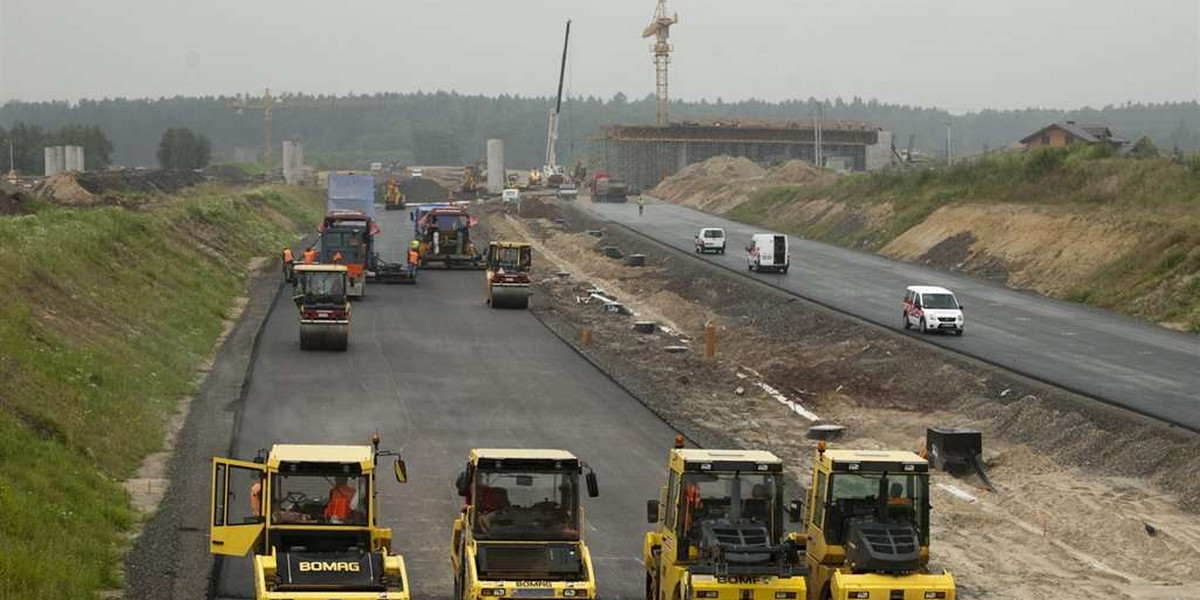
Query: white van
(768,252)
(930,308)
(710,239)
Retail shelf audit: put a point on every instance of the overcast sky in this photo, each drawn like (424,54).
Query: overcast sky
(956,54)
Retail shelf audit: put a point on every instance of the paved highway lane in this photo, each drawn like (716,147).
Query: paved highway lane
(437,372)
(1098,353)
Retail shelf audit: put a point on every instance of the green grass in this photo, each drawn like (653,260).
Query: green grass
(1156,281)
(107,313)
(249,168)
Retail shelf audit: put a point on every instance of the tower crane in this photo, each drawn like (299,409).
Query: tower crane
(660,28)
(268,104)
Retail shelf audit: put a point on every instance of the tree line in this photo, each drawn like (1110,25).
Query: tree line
(450,128)
(26,144)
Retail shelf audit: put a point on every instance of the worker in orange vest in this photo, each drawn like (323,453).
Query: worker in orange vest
(342,499)
(288,263)
(310,256)
(414,253)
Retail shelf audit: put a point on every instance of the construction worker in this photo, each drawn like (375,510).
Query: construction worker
(288,263)
(310,256)
(414,253)
(256,499)
(342,501)
(641,206)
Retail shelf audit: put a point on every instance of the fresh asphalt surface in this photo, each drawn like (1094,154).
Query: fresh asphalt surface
(1101,354)
(436,373)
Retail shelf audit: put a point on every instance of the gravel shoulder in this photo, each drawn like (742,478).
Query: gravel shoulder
(170,560)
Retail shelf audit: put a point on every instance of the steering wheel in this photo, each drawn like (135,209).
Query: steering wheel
(296,499)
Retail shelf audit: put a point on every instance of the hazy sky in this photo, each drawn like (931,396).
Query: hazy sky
(958,54)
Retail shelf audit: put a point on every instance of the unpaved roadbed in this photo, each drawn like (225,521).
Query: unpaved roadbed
(1078,482)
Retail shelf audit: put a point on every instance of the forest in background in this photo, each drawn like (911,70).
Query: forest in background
(450,128)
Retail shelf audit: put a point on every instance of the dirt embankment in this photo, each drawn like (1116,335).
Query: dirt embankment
(99,349)
(1080,487)
(1090,230)
(1020,245)
(115,187)
(721,183)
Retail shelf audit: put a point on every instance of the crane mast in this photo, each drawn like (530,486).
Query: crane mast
(551,167)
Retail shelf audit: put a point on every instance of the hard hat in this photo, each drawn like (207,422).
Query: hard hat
(415,245)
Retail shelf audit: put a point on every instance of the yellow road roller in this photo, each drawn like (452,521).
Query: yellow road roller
(508,269)
(308,513)
(319,291)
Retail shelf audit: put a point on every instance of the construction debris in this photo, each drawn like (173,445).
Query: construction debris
(825,431)
(644,326)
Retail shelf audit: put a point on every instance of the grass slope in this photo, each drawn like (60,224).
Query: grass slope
(1157,281)
(107,313)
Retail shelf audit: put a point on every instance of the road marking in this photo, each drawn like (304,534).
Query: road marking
(788,402)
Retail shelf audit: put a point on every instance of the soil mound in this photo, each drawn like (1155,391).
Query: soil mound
(94,187)
(63,188)
(11,199)
(721,183)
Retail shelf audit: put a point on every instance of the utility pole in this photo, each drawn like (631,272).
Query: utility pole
(949,142)
(11,150)
(818,117)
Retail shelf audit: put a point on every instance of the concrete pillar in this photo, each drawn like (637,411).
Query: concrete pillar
(55,157)
(73,158)
(879,154)
(495,167)
(285,164)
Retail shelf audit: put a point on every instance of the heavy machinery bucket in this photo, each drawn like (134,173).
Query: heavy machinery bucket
(956,451)
(324,335)
(510,296)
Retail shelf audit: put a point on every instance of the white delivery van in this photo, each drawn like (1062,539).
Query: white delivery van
(768,252)
(710,239)
(930,308)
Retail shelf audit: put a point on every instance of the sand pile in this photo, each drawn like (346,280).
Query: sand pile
(63,188)
(721,183)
